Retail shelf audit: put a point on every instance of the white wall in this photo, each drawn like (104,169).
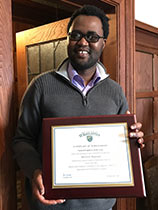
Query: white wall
(146,11)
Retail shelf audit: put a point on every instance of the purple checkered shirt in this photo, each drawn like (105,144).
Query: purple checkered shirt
(78,81)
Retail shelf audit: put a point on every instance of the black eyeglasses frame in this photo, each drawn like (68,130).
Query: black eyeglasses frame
(85,37)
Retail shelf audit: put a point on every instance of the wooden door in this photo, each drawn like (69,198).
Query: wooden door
(120,44)
(146,74)
(29,45)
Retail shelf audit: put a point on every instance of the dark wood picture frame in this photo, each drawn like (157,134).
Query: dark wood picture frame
(138,190)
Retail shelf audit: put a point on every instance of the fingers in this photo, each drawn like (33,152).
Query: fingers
(52,202)
(141,143)
(39,190)
(37,182)
(137,126)
(37,185)
(137,134)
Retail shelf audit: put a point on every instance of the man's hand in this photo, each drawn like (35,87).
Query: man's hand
(136,133)
(38,189)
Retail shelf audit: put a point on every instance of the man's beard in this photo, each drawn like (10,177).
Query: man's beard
(80,66)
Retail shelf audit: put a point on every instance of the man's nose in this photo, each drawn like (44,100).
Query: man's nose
(83,41)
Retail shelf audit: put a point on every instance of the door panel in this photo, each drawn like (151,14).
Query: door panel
(45,57)
(144,108)
(146,100)
(145,82)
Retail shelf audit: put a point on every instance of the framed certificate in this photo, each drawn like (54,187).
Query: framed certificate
(91,157)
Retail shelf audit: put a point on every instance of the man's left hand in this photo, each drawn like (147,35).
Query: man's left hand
(137,133)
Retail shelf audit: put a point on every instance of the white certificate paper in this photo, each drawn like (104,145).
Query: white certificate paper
(95,155)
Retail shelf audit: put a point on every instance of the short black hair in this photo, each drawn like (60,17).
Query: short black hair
(91,10)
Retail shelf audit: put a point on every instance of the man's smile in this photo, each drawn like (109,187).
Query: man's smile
(82,52)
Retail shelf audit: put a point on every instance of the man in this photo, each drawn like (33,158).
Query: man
(80,87)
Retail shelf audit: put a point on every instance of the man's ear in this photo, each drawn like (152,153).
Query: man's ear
(104,43)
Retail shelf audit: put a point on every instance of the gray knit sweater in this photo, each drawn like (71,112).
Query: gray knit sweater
(53,95)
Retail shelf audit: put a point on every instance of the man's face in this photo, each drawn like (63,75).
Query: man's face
(83,54)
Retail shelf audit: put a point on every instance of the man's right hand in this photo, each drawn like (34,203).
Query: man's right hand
(38,189)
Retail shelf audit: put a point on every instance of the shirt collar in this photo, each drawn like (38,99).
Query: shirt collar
(63,69)
(74,76)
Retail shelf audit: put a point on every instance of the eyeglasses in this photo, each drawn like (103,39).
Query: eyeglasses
(90,36)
